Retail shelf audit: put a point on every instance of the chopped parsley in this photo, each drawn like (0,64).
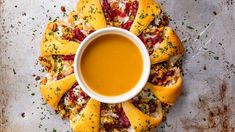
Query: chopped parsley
(189,27)
(54,130)
(216,58)
(14,71)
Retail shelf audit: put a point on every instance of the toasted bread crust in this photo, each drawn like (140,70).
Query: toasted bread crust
(169,47)
(140,121)
(88,120)
(147,11)
(53,91)
(167,94)
(53,45)
(92,11)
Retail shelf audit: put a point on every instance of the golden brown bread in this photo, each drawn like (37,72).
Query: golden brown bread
(92,11)
(140,121)
(147,11)
(169,47)
(53,45)
(48,63)
(167,94)
(52,92)
(88,120)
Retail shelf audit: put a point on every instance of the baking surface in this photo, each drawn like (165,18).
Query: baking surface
(206,27)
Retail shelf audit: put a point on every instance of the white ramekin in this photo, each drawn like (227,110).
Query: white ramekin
(123,97)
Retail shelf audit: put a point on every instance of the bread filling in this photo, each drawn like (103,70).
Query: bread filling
(120,13)
(113,118)
(72,102)
(163,74)
(146,102)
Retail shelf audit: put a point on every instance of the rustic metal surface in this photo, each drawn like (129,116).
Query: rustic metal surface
(207,28)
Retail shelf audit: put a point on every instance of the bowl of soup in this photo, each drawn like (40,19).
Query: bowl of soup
(112,65)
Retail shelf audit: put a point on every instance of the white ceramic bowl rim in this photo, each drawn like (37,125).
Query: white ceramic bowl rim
(123,97)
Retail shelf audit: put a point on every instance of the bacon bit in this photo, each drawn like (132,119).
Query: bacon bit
(106,4)
(127,9)
(120,14)
(68,57)
(157,80)
(62,8)
(75,85)
(123,120)
(91,31)
(79,35)
(152,106)
(165,20)
(135,102)
(60,76)
(127,25)
(134,7)
(170,73)
(141,37)
(84,95)
(161,80)
(156,39)
(152,76)
(37,78)
(108,11)
(150,42)
(104,106)
(72,97)
(114,6)
(108,126)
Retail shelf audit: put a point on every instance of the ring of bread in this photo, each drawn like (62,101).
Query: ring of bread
(147,110)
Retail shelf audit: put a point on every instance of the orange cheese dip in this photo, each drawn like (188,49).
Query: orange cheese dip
(111,65)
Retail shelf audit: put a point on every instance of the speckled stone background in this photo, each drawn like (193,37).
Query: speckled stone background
(207,28)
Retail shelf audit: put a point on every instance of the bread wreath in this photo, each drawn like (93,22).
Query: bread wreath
(89,117)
